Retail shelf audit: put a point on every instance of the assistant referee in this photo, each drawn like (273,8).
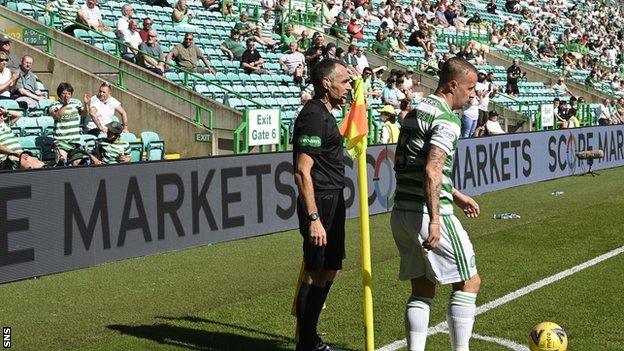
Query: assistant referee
(318,159)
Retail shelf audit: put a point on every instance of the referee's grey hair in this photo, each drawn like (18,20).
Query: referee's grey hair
(324,69)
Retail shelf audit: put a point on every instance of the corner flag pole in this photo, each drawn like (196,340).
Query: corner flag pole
(365,256)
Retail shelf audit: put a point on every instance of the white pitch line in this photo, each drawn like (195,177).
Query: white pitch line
(441,327)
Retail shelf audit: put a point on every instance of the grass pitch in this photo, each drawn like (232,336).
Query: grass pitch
(236,296)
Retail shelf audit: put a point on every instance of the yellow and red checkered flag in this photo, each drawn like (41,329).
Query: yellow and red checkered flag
(354,127)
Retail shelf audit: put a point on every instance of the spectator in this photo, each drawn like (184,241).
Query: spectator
(396,42)
(367,81)
(408,82)
(475,19)
(244,27)
(187,54)
(361,12)
(382,46)
(491,7)
(420,38)
(330,51)
(470,118)
(151,54)
(391,94)
(389,131)
(66,113)
(293,63)
(590,80)
(492,127)
(304,43)
(9,144)
(337,29)
(147,26)
(90,16)
(406,107)
(112,150)
(513,75)
(26,86)
(67,10)
(5,46)
(182,16)
(560,87)
(281,12)
(288,37)
(355,29)
(123,23)
(362,60)
(264,31)
(483,92)
(132,41)
(251,61)
(232,46)
(7,78)
(350,59)
(430,64)
(161,3)
(377,82)
(314,54)
(102,109)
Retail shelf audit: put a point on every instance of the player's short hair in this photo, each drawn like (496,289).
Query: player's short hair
(454,68)
(324,69)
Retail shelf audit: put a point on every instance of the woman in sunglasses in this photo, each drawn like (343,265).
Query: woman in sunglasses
(7,80)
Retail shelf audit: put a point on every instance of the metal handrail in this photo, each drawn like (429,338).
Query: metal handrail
(119,44)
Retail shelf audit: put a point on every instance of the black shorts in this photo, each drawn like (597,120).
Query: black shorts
(331,210)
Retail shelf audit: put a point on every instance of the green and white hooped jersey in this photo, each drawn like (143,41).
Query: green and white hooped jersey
(8,140)
(432,122)
(67,129)
(112,151)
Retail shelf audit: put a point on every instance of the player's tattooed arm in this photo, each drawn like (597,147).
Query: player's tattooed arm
(433,181)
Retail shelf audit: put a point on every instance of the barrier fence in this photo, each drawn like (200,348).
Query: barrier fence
(62,219)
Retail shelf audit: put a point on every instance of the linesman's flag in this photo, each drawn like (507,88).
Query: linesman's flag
(355,126)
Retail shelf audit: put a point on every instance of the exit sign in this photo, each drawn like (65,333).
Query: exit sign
(203,137)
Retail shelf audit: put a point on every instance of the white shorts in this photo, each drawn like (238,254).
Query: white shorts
(452,262)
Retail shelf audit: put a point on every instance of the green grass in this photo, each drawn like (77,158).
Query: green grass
(237,295)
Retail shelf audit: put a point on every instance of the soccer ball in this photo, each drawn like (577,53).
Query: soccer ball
(548,336)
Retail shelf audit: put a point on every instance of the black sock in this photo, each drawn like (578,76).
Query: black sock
(302,298)
(309,318)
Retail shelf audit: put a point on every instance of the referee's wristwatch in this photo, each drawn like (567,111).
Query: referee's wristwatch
(313,216)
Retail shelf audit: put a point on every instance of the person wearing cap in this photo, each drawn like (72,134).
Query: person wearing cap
(5,46)
(232,47)
(492,127)
(102,110)
(112,150)
(389,131)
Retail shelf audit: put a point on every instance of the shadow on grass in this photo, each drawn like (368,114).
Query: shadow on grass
(281,339)
(196,339)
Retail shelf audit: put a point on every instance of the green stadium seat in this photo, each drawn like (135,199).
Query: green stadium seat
(47,124)
(153,146)
(28,127)
(136,148)
(88,141)
(28,143)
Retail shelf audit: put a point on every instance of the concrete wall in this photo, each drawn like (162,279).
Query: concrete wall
(149,107)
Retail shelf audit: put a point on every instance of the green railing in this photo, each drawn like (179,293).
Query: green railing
(118,44)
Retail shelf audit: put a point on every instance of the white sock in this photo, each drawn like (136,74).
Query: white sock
(460,318)
(417,322)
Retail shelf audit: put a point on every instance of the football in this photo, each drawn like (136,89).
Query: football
(548,336)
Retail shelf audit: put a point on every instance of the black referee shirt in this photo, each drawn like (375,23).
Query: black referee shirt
(316,134)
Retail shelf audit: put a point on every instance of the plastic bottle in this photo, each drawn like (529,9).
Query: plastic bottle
(557,193)
(506,216)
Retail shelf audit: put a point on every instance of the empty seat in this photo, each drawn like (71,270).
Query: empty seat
(136,147)
(154,147)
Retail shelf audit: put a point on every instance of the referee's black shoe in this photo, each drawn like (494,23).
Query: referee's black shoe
(321,346)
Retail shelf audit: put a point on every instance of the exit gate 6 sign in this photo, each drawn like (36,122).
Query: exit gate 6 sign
(263,127)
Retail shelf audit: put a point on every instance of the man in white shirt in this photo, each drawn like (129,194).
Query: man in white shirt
(362,60)
(482,90)
(102,109)
(292,59)
(132,39)
(90,16)
(492,127)
(123,23)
